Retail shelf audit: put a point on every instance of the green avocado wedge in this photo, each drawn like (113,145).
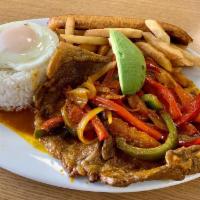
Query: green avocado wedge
(130,62)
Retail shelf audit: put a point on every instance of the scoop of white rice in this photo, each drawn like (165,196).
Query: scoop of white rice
(17,88)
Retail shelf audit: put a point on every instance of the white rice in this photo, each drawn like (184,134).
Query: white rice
(17,88)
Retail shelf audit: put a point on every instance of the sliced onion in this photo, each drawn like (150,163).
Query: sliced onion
(90,86)
(79,96)
(103,71)
(157,121)
(109,116)
(83,123)
(65,116)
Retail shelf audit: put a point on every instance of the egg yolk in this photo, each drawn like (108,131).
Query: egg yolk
(18,39)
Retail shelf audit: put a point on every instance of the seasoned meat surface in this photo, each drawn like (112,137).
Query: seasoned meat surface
(74,66)
(102,161)
(120,170)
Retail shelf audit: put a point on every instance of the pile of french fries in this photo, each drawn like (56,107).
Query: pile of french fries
(155,44)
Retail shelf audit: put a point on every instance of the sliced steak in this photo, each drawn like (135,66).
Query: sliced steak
(179,162)
(103,161)
(120,170)
(77,158)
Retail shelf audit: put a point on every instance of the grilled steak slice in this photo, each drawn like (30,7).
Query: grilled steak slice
(120,170)
(77,158)
(179,162)
(102,162)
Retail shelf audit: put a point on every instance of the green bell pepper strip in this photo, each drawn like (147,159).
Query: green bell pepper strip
(39,133)
(152,101)
(164,95)
(156,152)
(48,125)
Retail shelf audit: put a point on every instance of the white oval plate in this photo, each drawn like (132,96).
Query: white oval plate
(19,157)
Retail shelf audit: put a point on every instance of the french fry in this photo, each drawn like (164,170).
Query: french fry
(53,63)
(93,22)
(89,47)
(103,50)
(188,55)
(129,32)
(85,39)
(70,26)
(182,79)
(193,90)
(157,30)
(166,79)
(181,46)
(79,32)
(60,31)
(158,56)
(188,84)
(76,32)
(173,54)
(61,39)
(177,69)
(170,80)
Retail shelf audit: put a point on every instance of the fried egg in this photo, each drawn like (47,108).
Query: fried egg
(25,50)
(25,45)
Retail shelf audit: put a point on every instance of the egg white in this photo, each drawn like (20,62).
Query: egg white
(33,58)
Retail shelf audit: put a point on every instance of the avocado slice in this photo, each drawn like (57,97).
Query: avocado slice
(130,62)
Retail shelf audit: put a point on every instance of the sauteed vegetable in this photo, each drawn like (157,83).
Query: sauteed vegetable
(135,89)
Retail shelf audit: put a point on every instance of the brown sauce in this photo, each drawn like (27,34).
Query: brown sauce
(22,123)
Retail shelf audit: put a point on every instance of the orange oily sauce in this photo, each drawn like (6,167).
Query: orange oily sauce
(22,123)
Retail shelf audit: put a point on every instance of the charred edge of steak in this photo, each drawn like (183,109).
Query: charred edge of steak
(120,170)
(179,163)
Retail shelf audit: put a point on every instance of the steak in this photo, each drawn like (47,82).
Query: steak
(120,170)
(99,161)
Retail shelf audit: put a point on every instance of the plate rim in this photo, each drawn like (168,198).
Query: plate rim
(105,188)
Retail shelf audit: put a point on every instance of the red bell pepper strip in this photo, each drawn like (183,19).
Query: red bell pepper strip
(188,129)
(121,111)
(140,93)
(190,143)
(98,126)
(109,76)
(52,123)
(164,95)
(152,65)
(192,111)
(184,97)
(197,119)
